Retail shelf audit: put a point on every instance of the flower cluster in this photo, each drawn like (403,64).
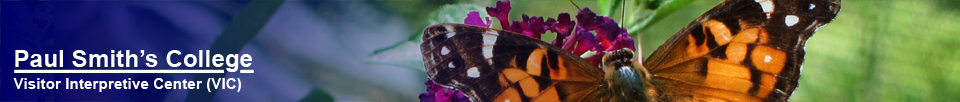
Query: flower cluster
(572,36)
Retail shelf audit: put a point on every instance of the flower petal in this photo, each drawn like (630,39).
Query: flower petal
(501,12)
(535,26)
(581,42)
(585,42)
(588,20)
(622,41)
(437,93)
(564,25)
(461,98)
(473,18)
(425,97)
(608,29)
(517,26)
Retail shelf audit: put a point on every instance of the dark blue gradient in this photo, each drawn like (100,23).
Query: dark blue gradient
(45,27)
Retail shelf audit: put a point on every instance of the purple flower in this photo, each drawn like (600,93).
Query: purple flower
(473,18)
(501,12)
(608,30)
(622,41)
(581,42)
(588,20)
(562,26)
(517,26)
(532,26)
(437,93)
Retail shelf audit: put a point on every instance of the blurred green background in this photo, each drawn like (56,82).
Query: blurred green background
(875,50)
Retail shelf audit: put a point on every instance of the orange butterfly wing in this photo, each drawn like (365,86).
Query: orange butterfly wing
(739,51)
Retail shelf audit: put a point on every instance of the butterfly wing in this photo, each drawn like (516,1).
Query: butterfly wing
(495,65)
(739,51)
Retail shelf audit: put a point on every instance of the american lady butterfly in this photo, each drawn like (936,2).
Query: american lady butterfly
(737,51)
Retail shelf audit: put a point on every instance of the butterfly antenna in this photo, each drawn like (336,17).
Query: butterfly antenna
(574,4)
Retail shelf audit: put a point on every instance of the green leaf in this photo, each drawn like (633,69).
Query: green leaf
(608,7)
(640,14)
(407,54)
(666,7)
(317,95)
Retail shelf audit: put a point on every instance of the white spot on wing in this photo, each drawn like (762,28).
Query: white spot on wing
(812,6)
(790,20)
(450,30)
(487,52)
(492,32)
(450,35)
(489,39)
(473,72)
(767,59)
(451,65)
(766,5)
(444,50)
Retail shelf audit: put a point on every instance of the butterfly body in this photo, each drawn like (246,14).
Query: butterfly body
(737,51)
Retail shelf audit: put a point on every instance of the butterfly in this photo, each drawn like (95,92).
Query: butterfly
(736,51)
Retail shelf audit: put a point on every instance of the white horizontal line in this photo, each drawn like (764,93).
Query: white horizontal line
(246,71)
(118,71)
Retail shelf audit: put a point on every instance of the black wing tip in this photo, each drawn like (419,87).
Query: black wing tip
(436,29)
